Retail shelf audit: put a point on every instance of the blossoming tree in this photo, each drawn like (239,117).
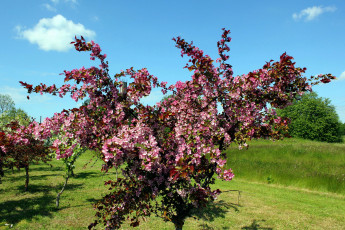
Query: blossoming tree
(169,153)
(19,148)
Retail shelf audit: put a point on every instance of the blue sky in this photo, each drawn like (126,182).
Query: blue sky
(36,35)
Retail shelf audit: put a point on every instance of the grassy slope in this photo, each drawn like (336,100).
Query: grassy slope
(261,205)
(301,163)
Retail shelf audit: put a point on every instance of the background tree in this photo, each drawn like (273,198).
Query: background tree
(14,114)
(19,148)
(312,117)
(86,102)
(9,113)
(6,103)
(342,129)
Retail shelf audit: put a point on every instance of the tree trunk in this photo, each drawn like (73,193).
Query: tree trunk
(63,188)
(27,178)
(179,225)
(72,172)
(123,89)
(1,171)
(178,221)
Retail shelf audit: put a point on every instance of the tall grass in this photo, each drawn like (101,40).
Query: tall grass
(292,162)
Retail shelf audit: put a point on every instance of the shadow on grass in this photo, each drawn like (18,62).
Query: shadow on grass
(16,174)
(48,168)
(256,226)
(213,211)
(14,211)
(15,178)
(34,167)
(33,178)
(86,175)
(33,188)
(208,227)
(92,200)
(33,204)
(42,177)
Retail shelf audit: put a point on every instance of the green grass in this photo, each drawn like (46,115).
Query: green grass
(260,205)
(292,162)
(36,208)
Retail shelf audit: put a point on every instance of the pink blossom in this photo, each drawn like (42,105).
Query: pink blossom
(228,175)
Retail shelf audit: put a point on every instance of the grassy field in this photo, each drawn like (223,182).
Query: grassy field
(292,162)
(262,204)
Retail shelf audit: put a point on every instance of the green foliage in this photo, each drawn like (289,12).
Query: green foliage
(313,118)
(166,97)
(14,114)
(6,103)
(86,102)
(342,128)
(9,113)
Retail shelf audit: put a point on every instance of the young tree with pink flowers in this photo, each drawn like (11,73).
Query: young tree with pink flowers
(169,153)
(19,148)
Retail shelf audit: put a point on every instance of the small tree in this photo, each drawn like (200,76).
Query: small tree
(313,118)
(69,167)
(8,114)
(169,153)
(19,148)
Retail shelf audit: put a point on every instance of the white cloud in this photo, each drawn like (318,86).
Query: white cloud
(95,18)
(49,7)
(54,3)
(54,33)
(57,1)
(313,12)
(342,76)
(19,95)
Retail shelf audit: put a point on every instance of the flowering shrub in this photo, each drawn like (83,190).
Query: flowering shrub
(173,150)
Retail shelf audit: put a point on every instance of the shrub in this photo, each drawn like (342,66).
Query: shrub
(312,117)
